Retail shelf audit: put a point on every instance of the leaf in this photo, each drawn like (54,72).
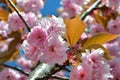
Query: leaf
(101,20)
(3,14)
(96,46)
(99,38)
(14,1)
(74,28)
(1,1)
(12,51)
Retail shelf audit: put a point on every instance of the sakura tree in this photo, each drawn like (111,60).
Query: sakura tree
(82,43)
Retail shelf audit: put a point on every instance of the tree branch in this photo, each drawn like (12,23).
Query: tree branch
(18,12)
(66,69)
(59,78)
(17,69)
(88,11)
(55,71)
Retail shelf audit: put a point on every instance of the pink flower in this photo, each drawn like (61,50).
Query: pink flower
(28,64)
(96,28)
(37,36)
(60,74)
(9,74)
(55,51)
(15,22)
(115,68)
(31,19)
(56,25)
(22,77)
(79,73)
(113,26)
(53,25)
(79,2)
(4,29)
(31,52)
(113,47)
(72,9)
(111,3)
(31,5)
(93,67)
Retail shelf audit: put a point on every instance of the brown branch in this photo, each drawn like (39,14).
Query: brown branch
(66,69)
(88,11)
(17,69)
(18,12)
(59,78)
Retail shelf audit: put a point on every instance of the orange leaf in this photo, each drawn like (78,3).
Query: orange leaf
(101,20)
(99,38)
(3,14)
(96,46)
(74,28)
(12,51)
(14,1)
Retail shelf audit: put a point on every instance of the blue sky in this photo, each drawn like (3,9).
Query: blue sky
(50,7)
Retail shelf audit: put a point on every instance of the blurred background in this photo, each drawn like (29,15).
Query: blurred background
(50,7)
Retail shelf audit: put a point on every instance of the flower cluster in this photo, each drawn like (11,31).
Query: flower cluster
(62,46)
(93,67)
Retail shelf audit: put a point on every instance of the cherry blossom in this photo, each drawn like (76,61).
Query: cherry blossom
(31,5)
(113,26)
(115,68)
(71,7)
(93,67)
(4,29)
(55,51)
(53,25)
(14,21)
(111,3)
(37,36)
(31,52)
(96,28)
(22,77)
(9,74)
(44,41)
(25,63)
(31,19)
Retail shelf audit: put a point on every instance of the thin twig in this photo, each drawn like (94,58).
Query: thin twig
(17,69)
(18,12)
(88,11)
(59,78)
(66,69)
